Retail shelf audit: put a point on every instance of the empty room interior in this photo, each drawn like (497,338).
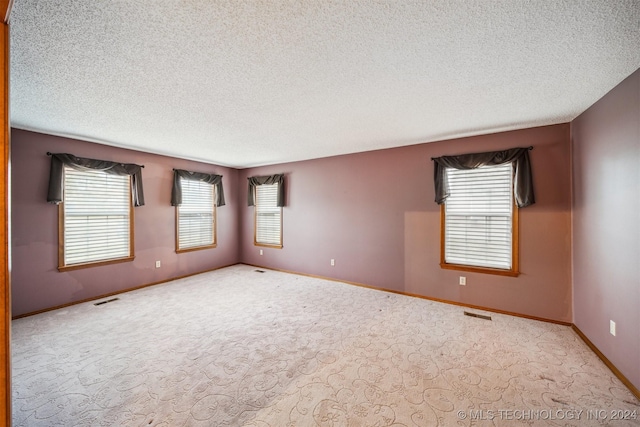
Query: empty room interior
(322,213)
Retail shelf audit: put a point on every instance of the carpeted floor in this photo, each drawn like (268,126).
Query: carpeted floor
(236,347)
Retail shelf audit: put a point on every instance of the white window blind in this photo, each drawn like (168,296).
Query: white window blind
(97,209)
(268,215)
(196,215)
(478,217)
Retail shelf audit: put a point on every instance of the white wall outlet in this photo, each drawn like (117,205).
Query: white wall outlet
(463,281)
(158,264)
(260,251)
(333,262)
(612,327)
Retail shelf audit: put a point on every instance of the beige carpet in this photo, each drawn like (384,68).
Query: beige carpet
(236,347)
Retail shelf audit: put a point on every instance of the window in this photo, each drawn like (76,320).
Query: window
(480,221)
(268,216)
(196,216)
(96,219)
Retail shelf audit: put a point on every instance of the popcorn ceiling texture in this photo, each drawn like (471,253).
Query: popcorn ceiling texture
(249,83)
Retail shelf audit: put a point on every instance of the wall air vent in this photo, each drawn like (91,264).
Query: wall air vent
(106,301)
(479,316)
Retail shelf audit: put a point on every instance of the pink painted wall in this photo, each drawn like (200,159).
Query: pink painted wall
(374,214)
(606,224)
(36,282)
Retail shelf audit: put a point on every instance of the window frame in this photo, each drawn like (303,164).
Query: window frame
(514,271)
(255,219)
(61,236)
(214,218)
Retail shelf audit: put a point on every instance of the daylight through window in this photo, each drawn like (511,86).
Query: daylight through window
(480,219)
(196,215)
(96,223)
(268,216)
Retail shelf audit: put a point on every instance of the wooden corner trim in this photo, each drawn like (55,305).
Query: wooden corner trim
(595,349)
(5,9)
(5,217)
(606,361)
(460,304)
(577,330)
(135,288)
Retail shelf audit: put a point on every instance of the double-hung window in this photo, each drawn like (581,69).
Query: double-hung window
(480,220)
(96,219)
(196,216)
(268,216)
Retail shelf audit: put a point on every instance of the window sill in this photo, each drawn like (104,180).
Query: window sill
(485,270)
(197,248)
(265,245)
(94,264)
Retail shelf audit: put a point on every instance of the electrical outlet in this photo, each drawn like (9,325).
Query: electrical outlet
(260,251)
(612,327)
(158,264)
(333,262)
(463,281)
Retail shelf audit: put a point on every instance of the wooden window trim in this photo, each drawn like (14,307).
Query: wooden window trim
(5,218)
(255,224)
(197,248)
(62,267)
(515,252)
(255,231)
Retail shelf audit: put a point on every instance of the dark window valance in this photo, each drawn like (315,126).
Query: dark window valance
(58,160)
(176,193)
(522,184)
(261,180)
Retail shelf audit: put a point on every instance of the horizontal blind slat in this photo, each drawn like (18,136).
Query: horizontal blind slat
(268,215)
(196,215)
(96,216)
(478,216)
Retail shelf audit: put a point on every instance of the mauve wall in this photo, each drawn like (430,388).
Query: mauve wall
(606,225)
(374,214)
(36,282)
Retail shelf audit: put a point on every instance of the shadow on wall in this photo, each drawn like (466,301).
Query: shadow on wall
(535,292)
(421,248)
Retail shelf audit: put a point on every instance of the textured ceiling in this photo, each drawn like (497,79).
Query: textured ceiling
(253,82)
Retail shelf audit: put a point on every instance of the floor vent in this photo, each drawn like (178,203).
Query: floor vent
(109,300)
(479,316)
(259,271)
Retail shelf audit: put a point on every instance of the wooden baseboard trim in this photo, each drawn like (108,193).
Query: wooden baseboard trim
(606,361)
(593,348)
(577,330)
(33,313)
(460,304)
